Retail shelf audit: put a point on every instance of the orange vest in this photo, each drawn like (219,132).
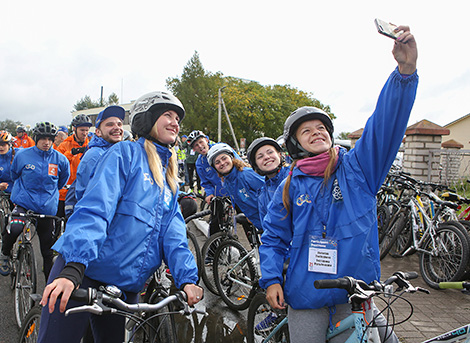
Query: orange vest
(66,148)
(23,142)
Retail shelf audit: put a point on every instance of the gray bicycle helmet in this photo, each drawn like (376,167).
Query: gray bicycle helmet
(194,136)
(44,129)
(81,120)
(20,128)
(296,118)
(253,148)
(149,107)
(216,150)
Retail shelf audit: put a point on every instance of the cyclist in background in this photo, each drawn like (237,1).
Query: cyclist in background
(266,158)
(22,140)
(7,153)
(59,138)
(126,223)
(324,213)
(73,148)
(241,182)
(38,174)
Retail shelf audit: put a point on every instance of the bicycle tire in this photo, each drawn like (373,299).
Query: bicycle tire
(29,331)
(226,257)
(26,282)
(258,311)
(391,234)
(208,252)
(196,251)
(466,225)
(451,256)
(165,324)
(403,241)
(383,218)
(4,212)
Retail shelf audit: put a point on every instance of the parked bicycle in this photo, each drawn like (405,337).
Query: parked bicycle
(23,263)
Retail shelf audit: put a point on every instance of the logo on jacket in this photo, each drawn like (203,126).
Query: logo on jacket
(53,169)
(147,177)
(244,193)
(302,199)
(30,166)
(336,193)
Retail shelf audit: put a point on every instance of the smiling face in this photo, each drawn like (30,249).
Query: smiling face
(267,158)
(313,136)
(167,127)
(223,163)
(110,130)
(201,146)
(4,148)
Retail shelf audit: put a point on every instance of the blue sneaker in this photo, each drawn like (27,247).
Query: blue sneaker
(267,323)
(5,265)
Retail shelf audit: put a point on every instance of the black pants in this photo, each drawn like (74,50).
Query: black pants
(191,171)
(44,229)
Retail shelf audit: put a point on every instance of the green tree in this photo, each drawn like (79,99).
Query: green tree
(254,110)
(86,102)
(9,125)
(343,135)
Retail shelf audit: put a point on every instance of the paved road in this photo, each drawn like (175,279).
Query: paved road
(436,313)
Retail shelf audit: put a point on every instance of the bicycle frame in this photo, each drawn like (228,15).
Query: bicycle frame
(462,334)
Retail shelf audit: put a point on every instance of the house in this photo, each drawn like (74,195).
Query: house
(459,131)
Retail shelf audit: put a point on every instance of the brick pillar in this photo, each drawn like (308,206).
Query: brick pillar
(421,138)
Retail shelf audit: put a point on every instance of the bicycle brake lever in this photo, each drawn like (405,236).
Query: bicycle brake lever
(424,290)
(95,309)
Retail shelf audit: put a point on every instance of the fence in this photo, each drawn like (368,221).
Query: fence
(454,166)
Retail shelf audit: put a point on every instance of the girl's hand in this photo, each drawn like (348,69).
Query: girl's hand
(59,287)
(275,296)
(405,51)
(3,186)
(194,293)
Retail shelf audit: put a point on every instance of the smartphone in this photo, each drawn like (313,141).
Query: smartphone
(387,29)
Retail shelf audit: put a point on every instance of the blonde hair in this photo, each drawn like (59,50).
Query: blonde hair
(155,164)
(326,176)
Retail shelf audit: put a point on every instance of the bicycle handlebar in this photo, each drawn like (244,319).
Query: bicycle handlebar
(455,285)
(95,301)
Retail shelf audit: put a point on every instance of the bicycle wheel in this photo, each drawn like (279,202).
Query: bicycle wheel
(194,247)
(208,251)
(447,258)
(403,241)
(391,234)
(30,327)
(26,281)
(383,217)
(162,322)
(234,275)
(262,320)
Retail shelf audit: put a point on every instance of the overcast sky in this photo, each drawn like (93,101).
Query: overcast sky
(53,53)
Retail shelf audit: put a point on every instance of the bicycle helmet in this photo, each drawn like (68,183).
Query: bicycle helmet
(20,128)
(81,120)
(44,129)
(216,150)
(253,148)
(194,136)
(147,109)
(5,137)
(296,118)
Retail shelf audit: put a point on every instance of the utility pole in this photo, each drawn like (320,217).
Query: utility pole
(219,125)
(230,125)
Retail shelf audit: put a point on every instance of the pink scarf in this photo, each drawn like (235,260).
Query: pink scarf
(316,165)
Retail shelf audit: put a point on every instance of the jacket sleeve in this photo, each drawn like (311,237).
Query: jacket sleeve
(375,151)
(64,172)
(177,255)
(14,172)
(275,241)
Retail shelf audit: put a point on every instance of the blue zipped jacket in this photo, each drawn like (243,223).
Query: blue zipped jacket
(5,169)
(210,180)
(266,192)
(344,209)
(243,187)
(38,175)
(125,224)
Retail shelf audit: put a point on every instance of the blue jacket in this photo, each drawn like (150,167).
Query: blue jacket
(85,171)
(5,168)
(210,180)
(344,209)
(266,192)
(38,176)
(243,188)
(125,224)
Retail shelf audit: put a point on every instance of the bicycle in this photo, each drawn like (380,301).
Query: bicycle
(364,329)
(23,263)
(443,246)
(236,270)
(5,210)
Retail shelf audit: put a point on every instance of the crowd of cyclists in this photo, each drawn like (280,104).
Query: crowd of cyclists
(124,219)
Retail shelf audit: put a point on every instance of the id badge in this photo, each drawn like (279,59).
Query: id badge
(322,255)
